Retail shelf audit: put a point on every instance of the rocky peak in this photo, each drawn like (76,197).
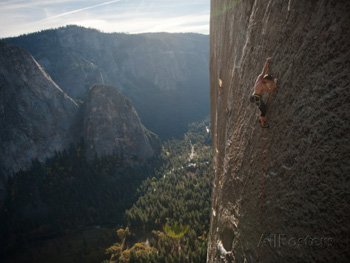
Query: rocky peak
(112,126)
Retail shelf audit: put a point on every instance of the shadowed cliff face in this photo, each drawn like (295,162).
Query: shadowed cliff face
(281,194)
(35,114)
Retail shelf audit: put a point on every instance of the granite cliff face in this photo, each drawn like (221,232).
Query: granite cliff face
(36,116)
(164,75)
(112,126)
(281,194)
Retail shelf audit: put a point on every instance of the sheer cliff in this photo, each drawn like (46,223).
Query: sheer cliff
(280,194)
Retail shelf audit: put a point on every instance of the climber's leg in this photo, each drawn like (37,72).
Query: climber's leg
(262,118)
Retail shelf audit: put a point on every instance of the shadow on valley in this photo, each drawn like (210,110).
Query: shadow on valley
(66,195)
(66,209)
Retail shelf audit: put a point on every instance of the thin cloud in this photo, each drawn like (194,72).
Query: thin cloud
(16,5)
(79,10)
(143,24)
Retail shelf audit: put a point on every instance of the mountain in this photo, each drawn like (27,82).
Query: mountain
(281,194)
(38,119)
(112,126)
(164,75)
(36,116)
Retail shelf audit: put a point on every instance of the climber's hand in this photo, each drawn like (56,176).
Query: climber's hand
(269,59)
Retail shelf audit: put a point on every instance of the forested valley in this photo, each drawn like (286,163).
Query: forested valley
(106,210)
(170,220)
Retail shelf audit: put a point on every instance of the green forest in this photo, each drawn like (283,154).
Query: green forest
(67,193)
(170,220)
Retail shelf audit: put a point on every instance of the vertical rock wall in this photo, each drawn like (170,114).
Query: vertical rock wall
(281,194)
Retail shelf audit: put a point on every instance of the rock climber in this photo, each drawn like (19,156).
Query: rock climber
(264,84)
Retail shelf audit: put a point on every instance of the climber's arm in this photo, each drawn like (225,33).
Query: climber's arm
(266,66)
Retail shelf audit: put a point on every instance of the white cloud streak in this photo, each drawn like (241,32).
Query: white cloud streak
(21,4)
(140,24)
(80,10)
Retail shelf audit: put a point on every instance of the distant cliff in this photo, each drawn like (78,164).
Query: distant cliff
(36,116)
(112,126)
(281,194)
(165,75)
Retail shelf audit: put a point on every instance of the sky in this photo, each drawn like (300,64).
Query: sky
(129,16)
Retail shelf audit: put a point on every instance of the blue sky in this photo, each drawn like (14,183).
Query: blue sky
(131,16)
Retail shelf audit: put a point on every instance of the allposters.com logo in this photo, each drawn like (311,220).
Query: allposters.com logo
(277,240)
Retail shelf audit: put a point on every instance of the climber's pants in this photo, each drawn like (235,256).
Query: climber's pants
(257,99)
(262,108)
